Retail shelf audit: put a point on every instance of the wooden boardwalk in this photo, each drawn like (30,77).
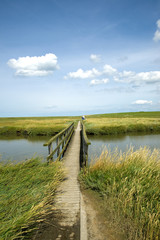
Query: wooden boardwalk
(64,224)
(68,198)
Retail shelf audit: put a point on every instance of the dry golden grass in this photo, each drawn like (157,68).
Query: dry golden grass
(130,185)
(121,125)
(34,126)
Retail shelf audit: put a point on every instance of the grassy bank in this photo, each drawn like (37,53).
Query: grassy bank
(130,187)
(34,126)
(26,191)
(122,123)
(98,124)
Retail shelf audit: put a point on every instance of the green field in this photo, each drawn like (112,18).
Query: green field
(122,123)
(129,185)
(98,124)
(34,126)
(127,115)
(26,191)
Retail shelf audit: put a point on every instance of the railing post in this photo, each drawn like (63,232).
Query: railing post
(57,142)
(85,142)
(50,150)
(62,139)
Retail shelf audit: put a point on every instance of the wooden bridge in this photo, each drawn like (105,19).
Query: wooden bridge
(69,218)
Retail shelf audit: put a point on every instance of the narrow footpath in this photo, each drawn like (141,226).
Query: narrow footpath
(64,223)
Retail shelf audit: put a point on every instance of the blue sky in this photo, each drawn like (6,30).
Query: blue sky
(69,57)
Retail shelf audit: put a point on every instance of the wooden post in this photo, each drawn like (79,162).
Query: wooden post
(58,150)
(85,143)
(50,150)
(63,142)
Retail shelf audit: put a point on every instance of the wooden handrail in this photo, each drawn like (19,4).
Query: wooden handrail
(84,134)
(61,138)
(57,135)
(84,145)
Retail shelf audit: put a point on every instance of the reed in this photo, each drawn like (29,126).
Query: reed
(121,125)
(26,192)
(34,126)
(130,186)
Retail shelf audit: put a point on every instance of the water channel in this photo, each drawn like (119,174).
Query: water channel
(122,142)
(17,149)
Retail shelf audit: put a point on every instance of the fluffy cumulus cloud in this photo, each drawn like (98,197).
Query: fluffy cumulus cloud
(34,66)
(98,82)
(109,70)
(95,58)
(142,102)
(93,73)
(81,74)
(142,77)
(156,37)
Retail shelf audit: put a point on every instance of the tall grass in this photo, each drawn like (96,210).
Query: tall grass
(121,125)
(130,186)
(34,126)
(127,115)
(26,192)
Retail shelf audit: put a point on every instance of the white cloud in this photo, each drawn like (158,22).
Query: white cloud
(142,77)
(95,58)
(84,74)
(93,73)
(142,102)
(156,37)
(98,82)
(158,23)
(34,66)
(109,70)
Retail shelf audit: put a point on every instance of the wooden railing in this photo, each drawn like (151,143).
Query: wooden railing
(84,146)
(62,139)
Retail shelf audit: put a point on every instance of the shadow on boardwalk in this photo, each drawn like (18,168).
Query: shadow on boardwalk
(51,229)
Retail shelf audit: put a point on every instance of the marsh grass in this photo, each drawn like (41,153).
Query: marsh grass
(112,126)
(26,192)
(130,186)
(98,124)
(127,115)
(34,126)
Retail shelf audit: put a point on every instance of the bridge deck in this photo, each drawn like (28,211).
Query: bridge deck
(65,224)
(68,198)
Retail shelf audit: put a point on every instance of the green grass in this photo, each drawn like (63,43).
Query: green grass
(127,115)
(98,124)
(26,191)
(122,123)
(130,186)
(34,126)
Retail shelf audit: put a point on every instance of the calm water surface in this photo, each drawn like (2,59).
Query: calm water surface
(17,149)
(122,142)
